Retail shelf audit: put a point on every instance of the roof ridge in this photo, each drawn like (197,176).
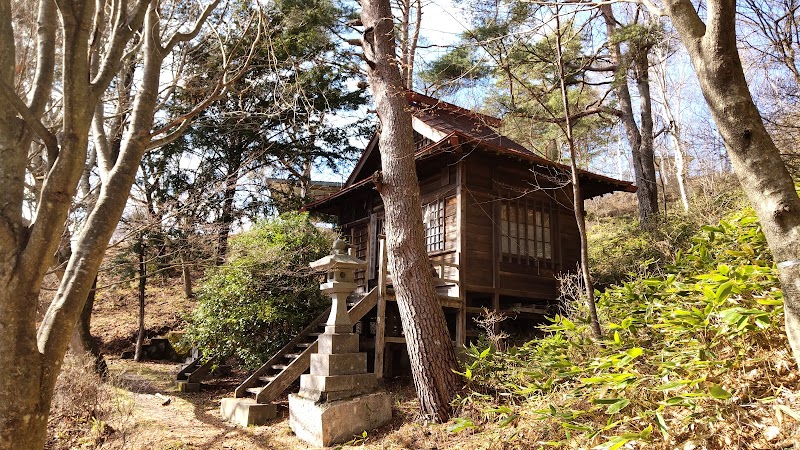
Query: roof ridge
(414,96)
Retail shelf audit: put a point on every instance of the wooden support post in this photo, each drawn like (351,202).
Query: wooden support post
(461,220)
(461,319)
(380,317)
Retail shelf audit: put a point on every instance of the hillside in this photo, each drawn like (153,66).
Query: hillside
(694,356)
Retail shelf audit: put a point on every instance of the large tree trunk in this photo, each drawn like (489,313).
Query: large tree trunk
(26,383)
(429,346)
(36,355)
(32,357)
(647,187)
(755,158)
(640,140)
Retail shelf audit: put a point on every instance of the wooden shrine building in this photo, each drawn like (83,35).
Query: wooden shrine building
(498,218)
(499,226)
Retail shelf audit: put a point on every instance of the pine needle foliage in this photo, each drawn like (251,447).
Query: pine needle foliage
(695,358)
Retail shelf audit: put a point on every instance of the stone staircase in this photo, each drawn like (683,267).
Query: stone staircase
(270,380)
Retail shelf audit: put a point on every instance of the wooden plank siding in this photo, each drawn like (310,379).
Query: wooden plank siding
(472,185)
(359,240)
(485,269)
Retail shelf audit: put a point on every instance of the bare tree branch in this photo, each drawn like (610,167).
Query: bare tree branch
(184,37)
(31,120)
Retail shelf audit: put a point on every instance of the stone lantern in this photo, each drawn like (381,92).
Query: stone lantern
(339,284)
(338,399)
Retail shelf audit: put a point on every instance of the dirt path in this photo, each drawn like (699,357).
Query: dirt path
(192,421)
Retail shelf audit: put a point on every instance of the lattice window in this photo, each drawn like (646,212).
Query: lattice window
(433,221)
(526,231)
(359,241)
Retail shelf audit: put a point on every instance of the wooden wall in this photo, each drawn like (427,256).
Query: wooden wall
(487,179)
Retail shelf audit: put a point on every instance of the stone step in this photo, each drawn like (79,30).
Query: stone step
(268,379)
(255,390)
(291,355)
(246,411)
(280,366)
(304,344)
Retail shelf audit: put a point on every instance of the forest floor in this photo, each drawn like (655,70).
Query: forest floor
(192,420)
(130,415)
(128,411)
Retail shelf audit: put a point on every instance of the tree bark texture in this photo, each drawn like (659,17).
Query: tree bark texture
(83,341)
(674,130)
(137,356)
(639,139)
(25,251)
(755,158)
(33,357)
(429,346)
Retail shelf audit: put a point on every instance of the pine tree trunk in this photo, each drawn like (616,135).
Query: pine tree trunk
(647,187)
(577,195)
(754,156)
(429,345)
(640,140)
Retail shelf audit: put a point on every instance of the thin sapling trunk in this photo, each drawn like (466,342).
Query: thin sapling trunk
(577,196)
(142,286)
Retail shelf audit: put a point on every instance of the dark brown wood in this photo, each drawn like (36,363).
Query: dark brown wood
(380,318)
(372,261)
(469,182)
(252,380)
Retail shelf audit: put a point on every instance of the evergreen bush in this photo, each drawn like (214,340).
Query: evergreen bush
(264,293)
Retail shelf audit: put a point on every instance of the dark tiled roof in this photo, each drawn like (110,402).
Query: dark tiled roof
(467,127)
(471,128)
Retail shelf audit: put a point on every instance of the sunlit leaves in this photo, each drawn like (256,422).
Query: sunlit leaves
(673,339)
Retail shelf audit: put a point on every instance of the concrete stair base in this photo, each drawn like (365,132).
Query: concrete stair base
(324,424)
(185,386)
(246,411)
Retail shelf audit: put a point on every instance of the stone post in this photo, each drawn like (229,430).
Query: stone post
(339,398)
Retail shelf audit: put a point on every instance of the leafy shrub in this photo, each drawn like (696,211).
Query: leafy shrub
(256,302)
(683,351)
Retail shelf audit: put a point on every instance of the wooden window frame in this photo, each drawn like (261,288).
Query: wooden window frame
(359,240)
(433,223)
(527,231)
